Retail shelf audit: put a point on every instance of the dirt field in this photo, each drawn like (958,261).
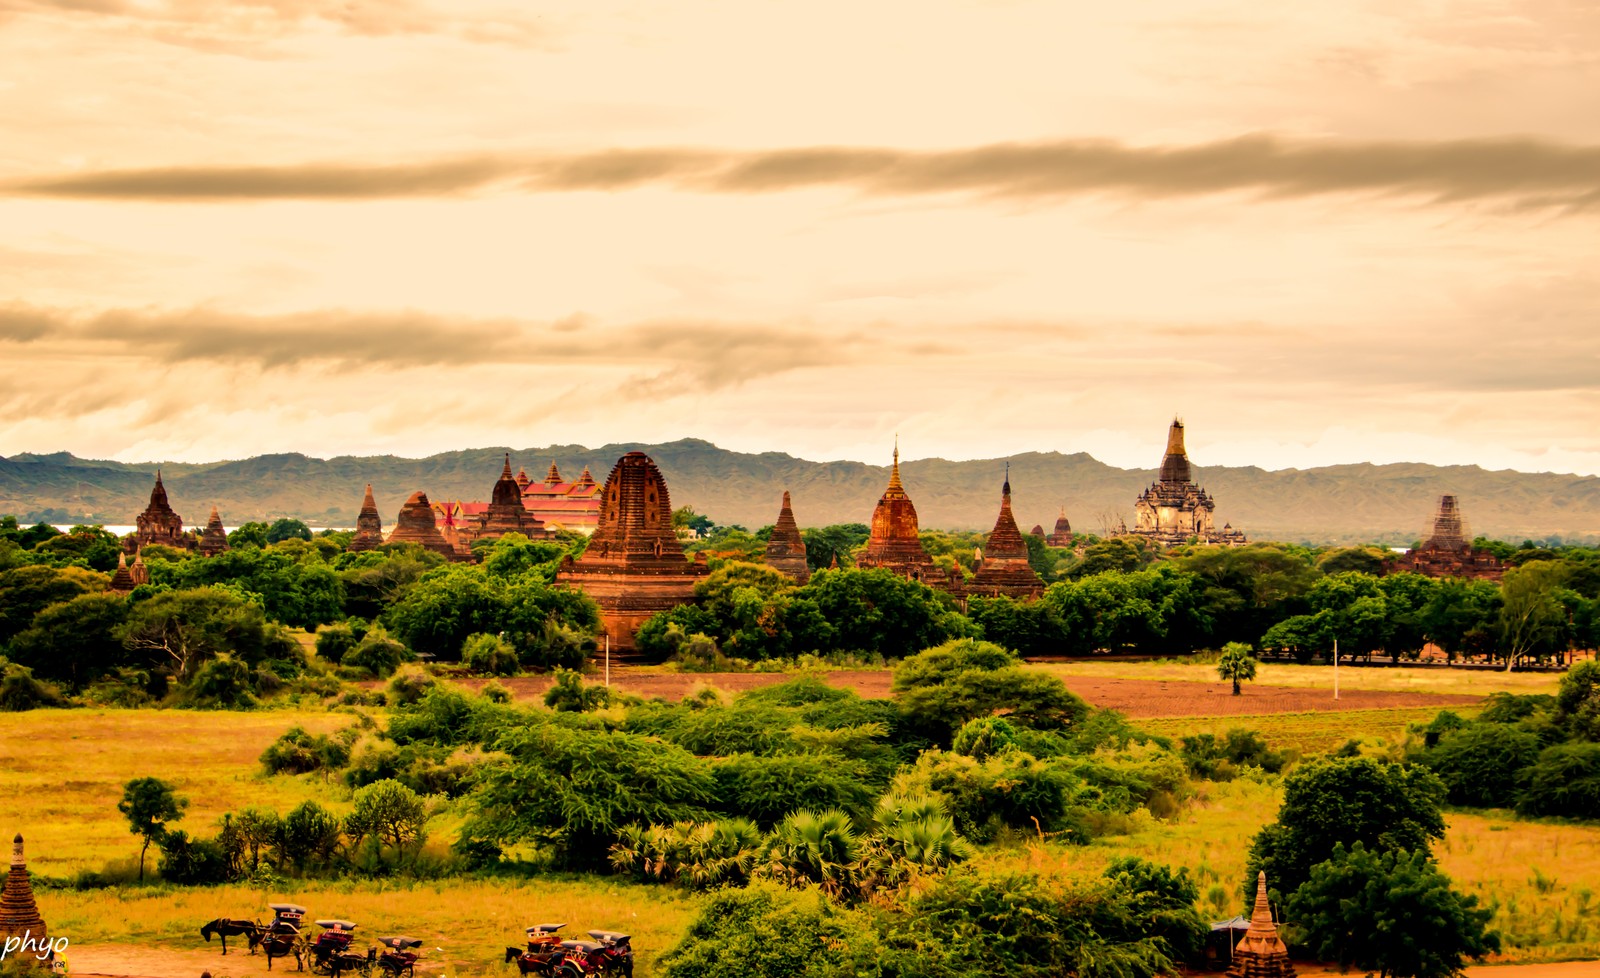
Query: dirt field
(1133,697)
(128,961)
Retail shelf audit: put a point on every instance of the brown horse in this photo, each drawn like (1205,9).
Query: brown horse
(226,927)
(535,962)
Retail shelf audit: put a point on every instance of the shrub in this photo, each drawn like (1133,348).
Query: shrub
(19,691)
(489,655)
(410,684)
(377,653)
(984,736)
(1565,780)
(335,641)
(495,693)
(571,694)
(223,682)
(298,752)
(1480,762)
(766,789)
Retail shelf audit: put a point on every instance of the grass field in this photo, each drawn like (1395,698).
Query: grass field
(472,921)
(1399,679)
(1306,733)
(64,771)
(61,774)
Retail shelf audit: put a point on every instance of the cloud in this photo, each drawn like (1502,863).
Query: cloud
(1523,171)
(649,359)
(225,24)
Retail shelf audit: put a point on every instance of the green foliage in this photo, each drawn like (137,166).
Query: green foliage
(765,789)
(334,642)
(1479,762)
(827,544)
(1392,912)
(286,528)
(578,788)
(377,653)
(299,752)
(297,588)
(311,836)
(1565,780)
(410,684)
(1011,789)
(766,932)
(489,655)
(984,736)
(1533,620)
(447,717)
(699,855)
(812,848)
(20,691)
(571,694)
(1216,759)
(390,813)
(1030,628)
(251,534)
(26,591)
(941,688)
(222,682)
(1578,701)
(1345,800)
(150,805)
(449,604)
(876,611)
(1236,664)
(183,629)
(1163,902)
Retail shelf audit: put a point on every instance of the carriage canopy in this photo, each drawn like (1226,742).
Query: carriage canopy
(336,925)
(544,928)
(400,943)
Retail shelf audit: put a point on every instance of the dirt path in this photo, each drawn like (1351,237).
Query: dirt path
(132,961)
(1134,697)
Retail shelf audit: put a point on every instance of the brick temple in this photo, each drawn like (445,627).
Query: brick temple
(215,538)
(554,504)
(1448,552)
(1061,536)
(158,524)
(506,511)
(634,565)
(1175,510)
(786,551)
(896,543)
(369,525)
(1261,953)
(1004,568)
(19,914)
(416,524)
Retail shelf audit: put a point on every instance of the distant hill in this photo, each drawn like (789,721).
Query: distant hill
(1335,504)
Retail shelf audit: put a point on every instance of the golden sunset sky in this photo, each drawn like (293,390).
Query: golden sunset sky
(1320,231)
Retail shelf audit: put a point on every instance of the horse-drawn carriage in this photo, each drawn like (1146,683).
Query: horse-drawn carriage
(544,954)
(281,938)
(400,955)
(331,953)
(609,954)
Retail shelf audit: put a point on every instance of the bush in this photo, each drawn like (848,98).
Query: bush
(1480,762)
(335,641)
(1565,780)
(489,655)
(495,693)
(765,789)
(298,752)
(764,931)
(377,653)
(224,683)
(570,694)
(1219,759)
(19,691)
(192,862)
(410,684)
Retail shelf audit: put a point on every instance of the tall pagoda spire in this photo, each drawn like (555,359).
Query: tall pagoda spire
(1261,953)
(1175,464)
(786,550)
(895,489)
(369,525)
(19,914)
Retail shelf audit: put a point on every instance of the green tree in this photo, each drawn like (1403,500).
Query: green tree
(311,835)
(76,641)
(26,591)
(287,528)
(1391,912)
(1480,763)
(1236,664)
(150,805)
(1578,701)
(249,535)
(1345,799)
(580,787)
(489,655)
(570,694)
(1532,618)
(880,611)
(185,628)
(390,813)
(941,688)
(1564,781)
(826,545)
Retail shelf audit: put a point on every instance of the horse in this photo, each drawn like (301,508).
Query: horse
(282,944)
(226,927)
(344,961)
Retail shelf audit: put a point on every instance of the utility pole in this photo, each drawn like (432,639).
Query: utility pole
(1335,668)
(608,662)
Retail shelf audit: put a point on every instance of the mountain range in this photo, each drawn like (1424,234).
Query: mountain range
(1339,504)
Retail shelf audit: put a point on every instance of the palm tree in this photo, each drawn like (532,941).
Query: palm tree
(813,847)
(1237,663)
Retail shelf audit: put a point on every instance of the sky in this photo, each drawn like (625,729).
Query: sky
(1319,231)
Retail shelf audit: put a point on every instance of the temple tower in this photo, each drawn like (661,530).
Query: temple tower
(1261,953)
(215,539)
(122,579)
(506,513)
(634,565)
(1062,535)
(1174,510)
(895,543)
(1448,552)
(369,526)
(19,914)
(416,524)
(1004,568)
(786,551)
(158,523)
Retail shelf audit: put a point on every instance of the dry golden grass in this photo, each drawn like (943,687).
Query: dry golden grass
(1306,733)
(1378,679)
(62,772)
(473,921)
